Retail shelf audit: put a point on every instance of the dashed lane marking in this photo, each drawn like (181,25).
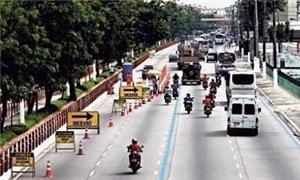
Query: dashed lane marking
(92,173)
(98,163)
(241,175)
(237,166)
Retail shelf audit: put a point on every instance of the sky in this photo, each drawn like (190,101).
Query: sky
(210,3)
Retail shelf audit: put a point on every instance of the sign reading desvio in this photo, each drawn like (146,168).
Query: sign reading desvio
(131,92)
(82,120)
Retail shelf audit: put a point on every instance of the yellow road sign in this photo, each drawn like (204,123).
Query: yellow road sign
(82,120)
(64,137)
(131,92)
(22,159)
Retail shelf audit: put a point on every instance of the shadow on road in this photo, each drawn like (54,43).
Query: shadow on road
(219,133)
(124,173)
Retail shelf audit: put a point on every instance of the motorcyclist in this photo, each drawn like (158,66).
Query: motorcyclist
(207,102)
(134,147)
(168,92)
(175,78)
(188,98)
(218,79)
(175,89)
(205,78)
(212,84)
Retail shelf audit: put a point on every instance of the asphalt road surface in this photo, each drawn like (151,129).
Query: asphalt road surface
(179,146)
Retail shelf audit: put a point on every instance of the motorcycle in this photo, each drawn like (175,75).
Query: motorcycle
(167,99)
(175,81)
(134,160)
(207,111)
(204,85)
(188,106)
(175,93)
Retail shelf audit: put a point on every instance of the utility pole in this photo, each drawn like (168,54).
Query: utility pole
(256,52)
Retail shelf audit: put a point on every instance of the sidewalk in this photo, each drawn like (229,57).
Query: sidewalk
(282,102)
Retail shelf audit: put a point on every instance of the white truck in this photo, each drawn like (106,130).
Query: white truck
(242,113)
(240,82)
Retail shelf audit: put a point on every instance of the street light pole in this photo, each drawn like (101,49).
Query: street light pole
(265,26)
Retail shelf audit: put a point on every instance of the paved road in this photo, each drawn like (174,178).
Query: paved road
(180,146)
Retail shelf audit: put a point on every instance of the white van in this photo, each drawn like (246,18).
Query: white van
(240,82)
(242,114)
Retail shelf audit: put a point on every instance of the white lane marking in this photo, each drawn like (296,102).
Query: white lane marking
(235,157)
(104,154)
(229,141)
(92,173)
(241,175)
(163,145)
(155,172)
(166,133)
(231,148)
(237,166)
(160,154)
(109,147)
(165,138)
(158,162)
(98,163)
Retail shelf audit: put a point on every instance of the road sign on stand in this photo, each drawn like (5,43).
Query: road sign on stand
(65,138)
(131,92)
(83,120)
(24,159)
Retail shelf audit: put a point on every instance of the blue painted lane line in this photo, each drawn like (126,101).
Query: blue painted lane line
(170,143)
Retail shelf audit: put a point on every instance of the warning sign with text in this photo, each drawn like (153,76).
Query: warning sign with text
(131,92)
(22,159)
(64,137)
(82,120)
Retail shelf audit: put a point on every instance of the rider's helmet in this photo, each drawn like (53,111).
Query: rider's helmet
(212,80)
(167,87)
(205,75)
(134,141)
(188,95)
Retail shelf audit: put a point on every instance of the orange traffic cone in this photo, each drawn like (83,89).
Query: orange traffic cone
(135,105)
(152,97)
(140,103)
(149,99)
(49,172)
(123,112)
(86,134)
(110,122)
(80,151)
(157,93)
(143,101)
(130,108)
